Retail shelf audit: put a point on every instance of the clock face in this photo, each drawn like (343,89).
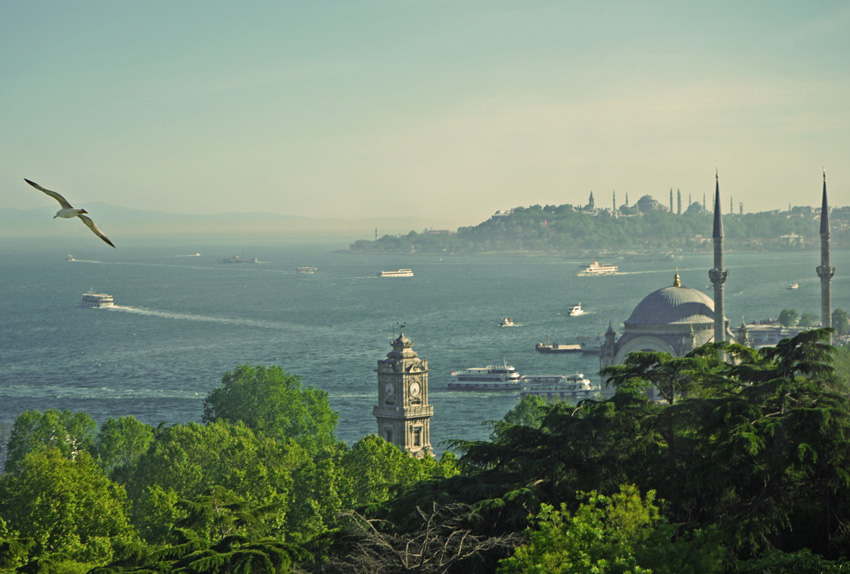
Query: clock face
(389,389)
(414,389)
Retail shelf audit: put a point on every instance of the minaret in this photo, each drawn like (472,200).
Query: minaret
(403,412)
(825,271)
(590,203)
(718,274)
(679,200)
(614,200)
(671,200)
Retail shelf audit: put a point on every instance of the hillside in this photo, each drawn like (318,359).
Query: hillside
(567,229)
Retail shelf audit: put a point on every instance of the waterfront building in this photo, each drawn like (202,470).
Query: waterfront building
(403,412)
(674,319)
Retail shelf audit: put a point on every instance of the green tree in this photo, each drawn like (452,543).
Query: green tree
(787,317)
(121,442)
(68,508)
(808,320)
(374,470)
(621,534)
(68,432)
(273,402)
(187,460)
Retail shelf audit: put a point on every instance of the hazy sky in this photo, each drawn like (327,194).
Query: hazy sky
(443,109)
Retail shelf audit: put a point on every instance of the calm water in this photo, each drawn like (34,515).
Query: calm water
(182,321)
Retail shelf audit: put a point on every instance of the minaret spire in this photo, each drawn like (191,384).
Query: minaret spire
(718,274)
(825,270)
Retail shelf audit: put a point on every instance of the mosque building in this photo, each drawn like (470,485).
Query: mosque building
(677,319)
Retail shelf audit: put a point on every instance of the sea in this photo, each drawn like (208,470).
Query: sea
(182,319)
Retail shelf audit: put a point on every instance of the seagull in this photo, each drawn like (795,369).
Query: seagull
(69,211)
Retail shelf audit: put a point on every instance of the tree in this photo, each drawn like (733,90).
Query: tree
(68,508)
(374,469)
(273,402)
(787,317)
(68,432)
(441,541)
(122,441)
(620,534)
(808,320)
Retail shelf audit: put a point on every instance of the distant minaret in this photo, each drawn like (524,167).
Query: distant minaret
(376,234)
(679,200)
(590,202)
(825,271)
(718,274)
(716,207)
(740,208)
(627,199)
(731,206)
(614,200)
(671,200)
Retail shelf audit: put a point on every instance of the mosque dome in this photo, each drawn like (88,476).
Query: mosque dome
(670,305)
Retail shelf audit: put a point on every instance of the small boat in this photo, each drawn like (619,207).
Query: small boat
(490,378)
(307,270)
(574,386)
(238,259)
(69,257)
(794,286)
(597,268)
(556,348)
(397,273)
(507,322)
(96,300)
(575,310)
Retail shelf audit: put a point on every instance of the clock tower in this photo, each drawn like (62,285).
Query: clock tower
(403,412)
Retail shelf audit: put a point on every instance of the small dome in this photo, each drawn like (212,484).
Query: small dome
(674,304)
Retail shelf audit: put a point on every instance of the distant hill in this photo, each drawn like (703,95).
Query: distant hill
(568,230)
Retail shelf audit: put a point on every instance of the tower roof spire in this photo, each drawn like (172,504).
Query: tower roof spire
(718,222)
(824,210)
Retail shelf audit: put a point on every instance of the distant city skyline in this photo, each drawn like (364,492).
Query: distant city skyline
(446,111)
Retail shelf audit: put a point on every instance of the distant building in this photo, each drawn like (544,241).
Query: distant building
(403,412)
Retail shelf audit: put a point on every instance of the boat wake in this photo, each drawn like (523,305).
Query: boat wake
(194,317)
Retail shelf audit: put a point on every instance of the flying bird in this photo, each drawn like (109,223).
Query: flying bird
(69,211)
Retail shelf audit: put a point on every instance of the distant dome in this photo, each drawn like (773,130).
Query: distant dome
(674,304)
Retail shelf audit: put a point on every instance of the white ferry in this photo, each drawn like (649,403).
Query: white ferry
(397,273)
(575,310)
(489,378)
(573,387)
(597,268)
(507,322)
(96,300)
(794,286)
(307,270)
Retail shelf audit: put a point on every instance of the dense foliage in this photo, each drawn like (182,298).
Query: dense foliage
(565,229)
(742,467)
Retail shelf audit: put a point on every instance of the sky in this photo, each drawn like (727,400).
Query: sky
(446,110)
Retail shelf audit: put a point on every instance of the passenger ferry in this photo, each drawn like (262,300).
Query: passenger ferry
(96,300)
(575,387)
(307,270)
(597,268)
(397,273)
(489,378)
(575,310)
(794,286)
(507,322)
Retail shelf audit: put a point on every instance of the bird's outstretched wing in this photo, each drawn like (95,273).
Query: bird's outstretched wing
(94,228)
(62,201)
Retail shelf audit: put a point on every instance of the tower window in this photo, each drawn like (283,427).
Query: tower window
(417,436)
